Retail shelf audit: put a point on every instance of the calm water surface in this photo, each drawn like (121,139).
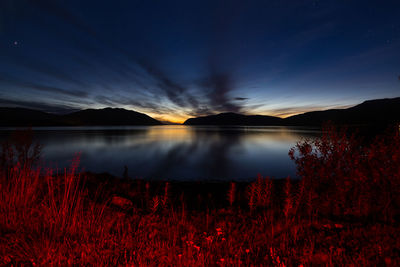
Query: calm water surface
(174,152)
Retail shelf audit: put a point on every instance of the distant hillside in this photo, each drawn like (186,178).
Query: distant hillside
(380,111)
(26,117)
(234,119)
(107,116)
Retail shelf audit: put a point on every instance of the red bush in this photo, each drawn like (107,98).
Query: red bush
(344,176)
(20,149)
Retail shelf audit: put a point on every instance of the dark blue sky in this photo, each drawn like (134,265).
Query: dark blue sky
(178,59)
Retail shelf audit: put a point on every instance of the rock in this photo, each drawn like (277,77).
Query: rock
(121,202)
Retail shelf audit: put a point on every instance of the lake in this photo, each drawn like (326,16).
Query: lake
(174,152)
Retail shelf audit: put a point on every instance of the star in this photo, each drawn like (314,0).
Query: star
(15,43)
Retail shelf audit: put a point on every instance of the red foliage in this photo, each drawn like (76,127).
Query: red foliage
(20,149)
(345,176)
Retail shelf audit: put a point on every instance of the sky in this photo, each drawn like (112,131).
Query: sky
(179,59)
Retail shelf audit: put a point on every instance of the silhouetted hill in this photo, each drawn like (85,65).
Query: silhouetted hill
(234,119)
(107,116)
(26,117)
(380,111)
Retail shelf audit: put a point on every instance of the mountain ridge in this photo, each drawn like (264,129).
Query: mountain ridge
(378,111)
(86,117)
(230,118)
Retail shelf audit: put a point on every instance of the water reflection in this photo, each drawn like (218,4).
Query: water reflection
(175,152)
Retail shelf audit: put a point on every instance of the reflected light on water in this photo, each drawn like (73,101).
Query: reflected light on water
(175,151)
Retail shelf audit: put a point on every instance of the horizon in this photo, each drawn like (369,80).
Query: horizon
(179,60)
(166,122)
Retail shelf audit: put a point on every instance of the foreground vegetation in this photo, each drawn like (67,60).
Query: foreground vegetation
(345,210)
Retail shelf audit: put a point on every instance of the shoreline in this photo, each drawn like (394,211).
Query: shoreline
(195,196)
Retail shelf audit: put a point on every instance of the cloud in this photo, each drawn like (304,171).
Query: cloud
(219,82)
(241,98)
(290,111)
(146,105)
(51,108)
(40,66)
(220,86)
(172,89)
(39,87)
(214,89)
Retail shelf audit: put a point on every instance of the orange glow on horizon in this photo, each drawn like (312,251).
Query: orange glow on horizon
(174,119)
(280,113)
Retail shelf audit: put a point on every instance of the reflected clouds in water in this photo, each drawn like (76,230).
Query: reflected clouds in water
(175,152)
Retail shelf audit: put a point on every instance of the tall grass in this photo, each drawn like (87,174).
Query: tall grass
(343,211)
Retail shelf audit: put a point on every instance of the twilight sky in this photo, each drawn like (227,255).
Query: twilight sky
(178,59)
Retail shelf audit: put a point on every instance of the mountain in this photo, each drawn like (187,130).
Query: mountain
(26,117)
(234,119)
(380,111)
(108,116)
(100,117)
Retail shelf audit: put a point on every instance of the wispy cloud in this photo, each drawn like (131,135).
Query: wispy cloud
(241,98)
(51,108)
(40,66)
(5,78)
(290,111)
